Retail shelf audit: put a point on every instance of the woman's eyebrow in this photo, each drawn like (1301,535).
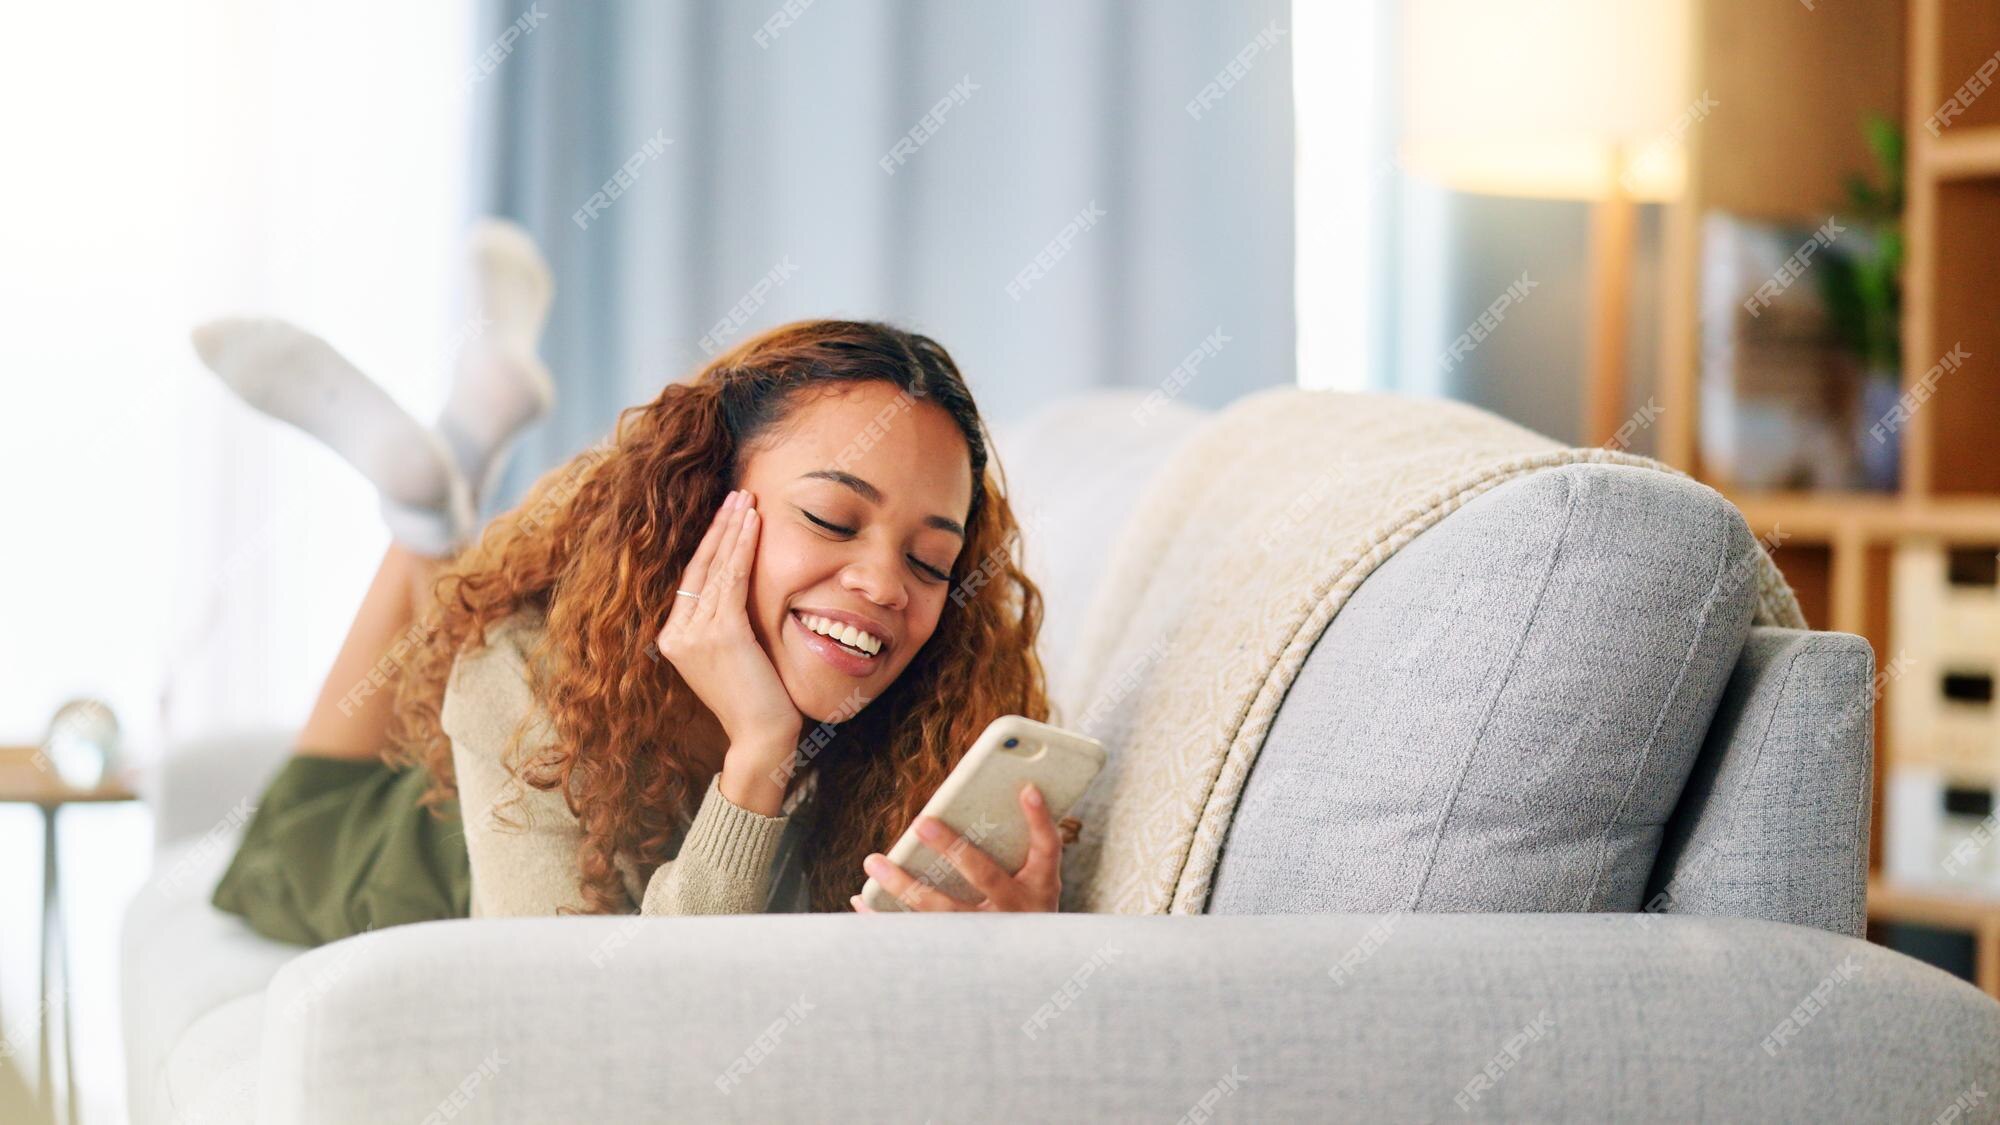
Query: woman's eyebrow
(873,495)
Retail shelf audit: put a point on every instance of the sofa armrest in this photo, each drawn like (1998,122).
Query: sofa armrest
(1102,1017)
(1773,822)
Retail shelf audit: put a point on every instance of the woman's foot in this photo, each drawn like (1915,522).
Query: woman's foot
(298,378)
(500,386)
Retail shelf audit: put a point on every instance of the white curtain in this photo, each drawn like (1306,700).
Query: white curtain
(740,150)
(164,548)
(192,562)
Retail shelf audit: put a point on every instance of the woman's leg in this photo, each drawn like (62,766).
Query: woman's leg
(341,844)
(431,481)
(351,717)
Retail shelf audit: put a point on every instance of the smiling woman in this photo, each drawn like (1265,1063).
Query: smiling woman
(858,545)
(742,605)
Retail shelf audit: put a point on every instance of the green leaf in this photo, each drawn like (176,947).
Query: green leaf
(1885,139)
(1862,197)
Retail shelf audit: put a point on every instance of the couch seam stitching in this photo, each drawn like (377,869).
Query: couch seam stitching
(1853,911)
(1659,720)
(1493,705)
(1729,812)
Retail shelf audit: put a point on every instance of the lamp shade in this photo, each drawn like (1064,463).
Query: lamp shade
(1567,99)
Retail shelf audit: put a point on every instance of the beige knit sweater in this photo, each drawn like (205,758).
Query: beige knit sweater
(524,842)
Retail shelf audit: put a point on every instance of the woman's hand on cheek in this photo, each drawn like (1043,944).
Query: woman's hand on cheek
(709,640)
(1037,887)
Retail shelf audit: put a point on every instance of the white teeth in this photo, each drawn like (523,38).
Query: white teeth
(846,634)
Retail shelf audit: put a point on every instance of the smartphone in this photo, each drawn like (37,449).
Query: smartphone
(981,799)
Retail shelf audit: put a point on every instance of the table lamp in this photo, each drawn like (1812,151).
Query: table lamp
(1556,99)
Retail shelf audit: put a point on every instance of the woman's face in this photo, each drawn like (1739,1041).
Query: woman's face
(863,493)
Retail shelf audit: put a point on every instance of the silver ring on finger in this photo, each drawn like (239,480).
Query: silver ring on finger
(688,594)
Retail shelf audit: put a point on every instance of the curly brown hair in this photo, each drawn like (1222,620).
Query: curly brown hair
(597,546)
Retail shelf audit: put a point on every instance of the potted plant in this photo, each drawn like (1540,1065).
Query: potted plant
(1863,291)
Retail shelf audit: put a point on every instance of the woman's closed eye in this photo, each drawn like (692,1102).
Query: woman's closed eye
(929,571)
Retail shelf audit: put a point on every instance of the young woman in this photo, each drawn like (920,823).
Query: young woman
(715,665)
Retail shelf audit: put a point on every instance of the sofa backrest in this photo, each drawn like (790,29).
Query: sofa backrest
(1075,472)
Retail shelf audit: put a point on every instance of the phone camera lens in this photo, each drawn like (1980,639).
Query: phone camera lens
(1011,743)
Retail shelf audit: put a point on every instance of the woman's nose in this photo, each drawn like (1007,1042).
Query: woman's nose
(877,581)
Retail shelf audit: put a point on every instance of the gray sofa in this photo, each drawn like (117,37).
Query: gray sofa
(1545,830)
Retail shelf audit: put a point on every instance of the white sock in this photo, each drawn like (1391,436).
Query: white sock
(298,378)
(500,385)
(439,533)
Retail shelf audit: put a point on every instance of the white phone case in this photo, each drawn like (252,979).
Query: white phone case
(981,800)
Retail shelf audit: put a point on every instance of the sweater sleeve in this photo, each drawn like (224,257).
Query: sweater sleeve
(724,865)
(524,844)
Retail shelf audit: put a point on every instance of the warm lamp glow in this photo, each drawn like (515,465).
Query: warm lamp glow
(1570,99)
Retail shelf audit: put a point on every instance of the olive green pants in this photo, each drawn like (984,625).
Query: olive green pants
(339,846)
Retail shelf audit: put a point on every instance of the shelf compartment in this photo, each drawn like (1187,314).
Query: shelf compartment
(1954,403)
(1968,38)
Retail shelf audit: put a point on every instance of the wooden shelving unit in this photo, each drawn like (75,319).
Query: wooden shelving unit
(1792,84)
(1818,517)
(1968,153)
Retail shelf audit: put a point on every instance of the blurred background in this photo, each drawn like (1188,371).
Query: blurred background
(1750,237)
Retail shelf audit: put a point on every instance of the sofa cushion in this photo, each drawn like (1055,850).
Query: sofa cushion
(182,959)
(211,1073)
(1503,715)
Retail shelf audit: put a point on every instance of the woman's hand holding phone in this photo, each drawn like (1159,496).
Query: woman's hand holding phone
(1037,887)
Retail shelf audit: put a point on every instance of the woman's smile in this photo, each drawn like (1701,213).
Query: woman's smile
(843,657)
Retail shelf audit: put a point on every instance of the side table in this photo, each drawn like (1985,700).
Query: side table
(27,777)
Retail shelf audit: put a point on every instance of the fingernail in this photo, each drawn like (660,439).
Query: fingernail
(1034,795)
(928,829)
(873,861)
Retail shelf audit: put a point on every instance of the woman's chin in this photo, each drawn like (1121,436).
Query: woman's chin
(814,712)
(826,704)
